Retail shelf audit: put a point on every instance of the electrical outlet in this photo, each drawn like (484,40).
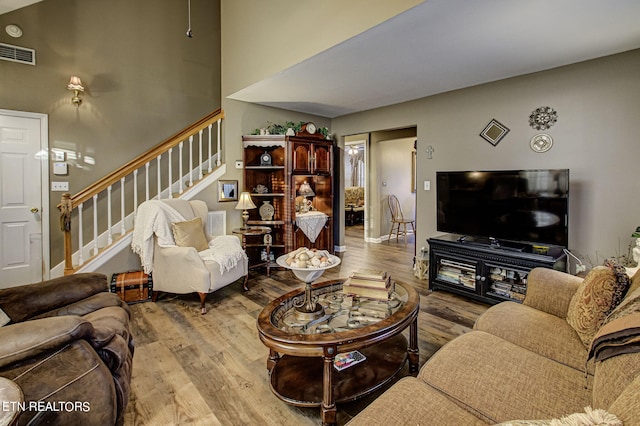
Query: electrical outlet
(580,268)
(60,186)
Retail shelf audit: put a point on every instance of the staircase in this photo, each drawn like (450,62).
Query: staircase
(179,167)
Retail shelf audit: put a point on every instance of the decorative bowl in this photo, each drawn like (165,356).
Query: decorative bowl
(308,275)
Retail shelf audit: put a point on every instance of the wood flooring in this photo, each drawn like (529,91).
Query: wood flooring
(192,369)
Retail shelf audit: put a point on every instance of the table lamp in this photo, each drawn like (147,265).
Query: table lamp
(245,203)
(305,191)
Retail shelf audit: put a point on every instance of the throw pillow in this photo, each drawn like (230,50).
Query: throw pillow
(635,282)
(590,417)
(630,305)
(4,318)
(190,234)
(622,279)
(592,302)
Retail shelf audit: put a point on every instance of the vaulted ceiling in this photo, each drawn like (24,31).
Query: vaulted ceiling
(443,45)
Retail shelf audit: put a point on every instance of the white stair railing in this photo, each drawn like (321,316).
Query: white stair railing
(102,206)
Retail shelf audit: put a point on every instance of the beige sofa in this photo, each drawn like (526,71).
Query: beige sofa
(525,362)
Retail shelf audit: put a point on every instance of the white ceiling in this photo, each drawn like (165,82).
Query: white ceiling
(443,45)
(9,5)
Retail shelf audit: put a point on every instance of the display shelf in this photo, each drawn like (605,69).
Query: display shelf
(293,160)
(266,168)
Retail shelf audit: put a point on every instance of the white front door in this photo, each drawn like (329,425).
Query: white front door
(21,201)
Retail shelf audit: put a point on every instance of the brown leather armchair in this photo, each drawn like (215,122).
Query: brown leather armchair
(67,345)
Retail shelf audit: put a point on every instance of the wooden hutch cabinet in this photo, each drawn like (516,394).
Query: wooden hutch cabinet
(275,166)
(309,158)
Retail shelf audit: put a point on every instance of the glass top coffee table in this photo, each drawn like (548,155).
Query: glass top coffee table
(302,353)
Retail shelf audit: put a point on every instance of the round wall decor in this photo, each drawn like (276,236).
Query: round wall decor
(543,118)
(541,142)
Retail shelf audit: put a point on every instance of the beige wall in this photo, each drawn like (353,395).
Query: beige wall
(145,79)
(596,137)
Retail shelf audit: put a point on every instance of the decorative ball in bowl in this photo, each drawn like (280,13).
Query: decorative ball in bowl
(308,264)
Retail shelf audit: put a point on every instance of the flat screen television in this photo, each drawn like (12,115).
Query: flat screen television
(525,206)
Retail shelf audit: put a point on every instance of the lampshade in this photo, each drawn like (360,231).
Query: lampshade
(75,84)
(245,202)
(305,190)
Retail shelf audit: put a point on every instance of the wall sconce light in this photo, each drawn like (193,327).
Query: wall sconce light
(75,85)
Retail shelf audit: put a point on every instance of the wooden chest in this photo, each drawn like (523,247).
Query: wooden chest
(132,286)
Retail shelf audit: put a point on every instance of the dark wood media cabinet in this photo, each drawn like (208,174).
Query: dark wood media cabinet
(487,272)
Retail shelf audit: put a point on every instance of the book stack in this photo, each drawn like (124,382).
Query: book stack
(370,284)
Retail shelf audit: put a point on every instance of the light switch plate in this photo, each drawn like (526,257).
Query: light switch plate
(427,185)
(239,164)
(60,186)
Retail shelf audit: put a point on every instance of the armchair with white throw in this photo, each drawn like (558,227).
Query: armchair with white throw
(170,238)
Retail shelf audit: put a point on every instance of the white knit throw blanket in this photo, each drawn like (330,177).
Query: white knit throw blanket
(153,217)
(226,250)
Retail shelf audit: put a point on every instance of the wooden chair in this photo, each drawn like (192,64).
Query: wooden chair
(398,220)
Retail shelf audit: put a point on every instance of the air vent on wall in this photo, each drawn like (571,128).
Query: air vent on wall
(22,55)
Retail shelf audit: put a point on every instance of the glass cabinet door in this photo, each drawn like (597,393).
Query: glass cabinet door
(457,273)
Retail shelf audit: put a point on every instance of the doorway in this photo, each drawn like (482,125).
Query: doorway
(24,173)
(389,167)
(355,187)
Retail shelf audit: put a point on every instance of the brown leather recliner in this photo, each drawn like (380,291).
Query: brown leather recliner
(68,346)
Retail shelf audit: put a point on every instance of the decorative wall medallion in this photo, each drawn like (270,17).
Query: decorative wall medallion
(543,118)
(541,142)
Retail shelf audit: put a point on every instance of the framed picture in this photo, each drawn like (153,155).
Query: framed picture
(227,190)
(494,132)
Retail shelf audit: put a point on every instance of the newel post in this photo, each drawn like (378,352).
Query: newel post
(66,207)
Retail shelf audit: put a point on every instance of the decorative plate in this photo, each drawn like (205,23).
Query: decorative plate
(541,142)
(543,118)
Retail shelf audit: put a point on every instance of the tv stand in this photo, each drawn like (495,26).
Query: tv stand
(488,270)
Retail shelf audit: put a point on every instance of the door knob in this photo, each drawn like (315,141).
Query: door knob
(34,210)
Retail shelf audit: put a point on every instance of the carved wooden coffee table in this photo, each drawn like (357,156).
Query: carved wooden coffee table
(301,358)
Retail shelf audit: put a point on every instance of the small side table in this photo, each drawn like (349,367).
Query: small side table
(11,396)
(256,231)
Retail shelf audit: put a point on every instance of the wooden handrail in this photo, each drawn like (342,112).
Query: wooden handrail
(140,161)
(73,203)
